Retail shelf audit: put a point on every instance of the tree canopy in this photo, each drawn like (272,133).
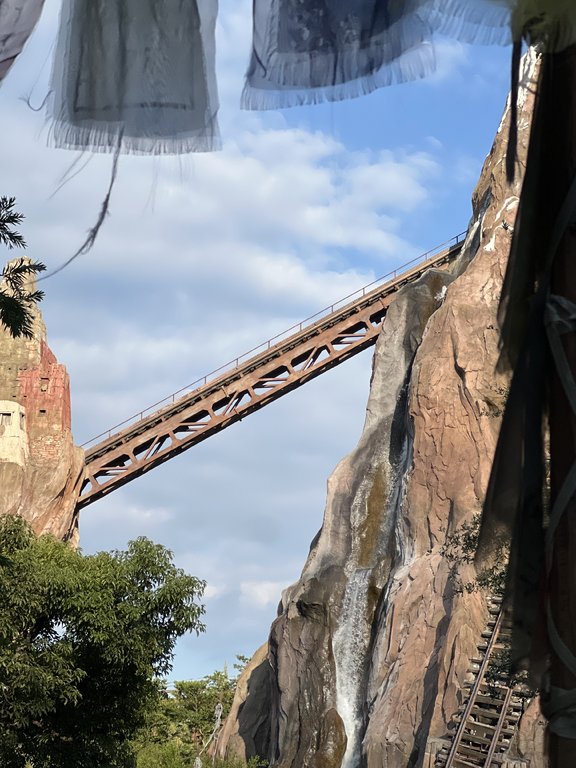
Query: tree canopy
(186,722)
(16,302)
(83,640)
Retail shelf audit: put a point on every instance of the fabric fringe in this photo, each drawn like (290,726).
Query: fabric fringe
(304,53)
(302,56)
(483,22)
(413,65)
(96,137)
(500,22)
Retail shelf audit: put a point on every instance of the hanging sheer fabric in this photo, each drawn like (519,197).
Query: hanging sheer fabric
(306,52)
(552,23)
(487,22)
(17,21)
(136,76)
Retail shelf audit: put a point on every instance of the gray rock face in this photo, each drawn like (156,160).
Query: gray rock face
(367,659)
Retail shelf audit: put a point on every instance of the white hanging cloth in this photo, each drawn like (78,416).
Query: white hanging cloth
(17,21)
(136,76)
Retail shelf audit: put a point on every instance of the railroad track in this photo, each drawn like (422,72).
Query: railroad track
(489,717)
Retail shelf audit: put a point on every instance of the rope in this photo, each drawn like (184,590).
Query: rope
(104,209)
(218,710)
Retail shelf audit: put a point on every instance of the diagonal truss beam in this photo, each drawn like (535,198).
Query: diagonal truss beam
(310,351)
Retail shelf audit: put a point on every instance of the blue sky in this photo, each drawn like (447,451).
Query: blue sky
(202,258)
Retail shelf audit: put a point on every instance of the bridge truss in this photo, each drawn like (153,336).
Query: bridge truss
(248,383)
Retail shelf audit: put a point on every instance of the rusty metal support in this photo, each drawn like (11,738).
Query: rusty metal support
(247,386)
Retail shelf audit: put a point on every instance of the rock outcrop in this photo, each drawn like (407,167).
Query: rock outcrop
(40,467)
(367,660)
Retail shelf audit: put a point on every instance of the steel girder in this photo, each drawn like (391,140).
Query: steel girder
(263,378)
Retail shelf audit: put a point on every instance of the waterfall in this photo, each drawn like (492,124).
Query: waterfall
(350,645)
(352,638)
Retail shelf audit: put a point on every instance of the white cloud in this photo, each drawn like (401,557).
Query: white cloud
(146,515)
(451,55)
(261,593)
(201,259)
(214,590)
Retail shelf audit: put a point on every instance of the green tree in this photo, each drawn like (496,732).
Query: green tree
(183,724)
(198,700)
(82,642)
(186,719)
(16,302)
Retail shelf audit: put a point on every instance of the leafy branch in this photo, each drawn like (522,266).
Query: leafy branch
(16,302)
(461,546)
(9,218)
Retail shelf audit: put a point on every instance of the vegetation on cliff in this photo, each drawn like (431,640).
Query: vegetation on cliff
(460,548)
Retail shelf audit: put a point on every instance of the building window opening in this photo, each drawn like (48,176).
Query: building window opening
(44,385)
(42,411)
(5,419)
(22,421)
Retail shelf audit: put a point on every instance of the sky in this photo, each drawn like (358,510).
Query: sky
(205,256)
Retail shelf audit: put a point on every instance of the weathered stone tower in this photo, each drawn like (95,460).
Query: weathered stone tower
(40,467)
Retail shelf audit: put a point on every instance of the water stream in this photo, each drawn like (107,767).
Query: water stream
(350,645)
(352,638)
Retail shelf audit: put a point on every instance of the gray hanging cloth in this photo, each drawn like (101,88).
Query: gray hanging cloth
(552,23)
(307,51)
(486,22)
(17,21)
(136,76)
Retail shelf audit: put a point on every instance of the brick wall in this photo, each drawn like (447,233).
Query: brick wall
(44,390)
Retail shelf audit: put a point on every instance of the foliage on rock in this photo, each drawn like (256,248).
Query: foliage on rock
(82,640)
(460,548)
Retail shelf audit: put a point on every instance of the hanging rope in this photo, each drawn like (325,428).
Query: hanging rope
(93,232)
(218,710)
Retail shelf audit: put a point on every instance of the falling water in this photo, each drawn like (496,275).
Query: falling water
(350,645)
(352,638)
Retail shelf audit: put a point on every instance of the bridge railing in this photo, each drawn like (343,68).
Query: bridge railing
(265,345)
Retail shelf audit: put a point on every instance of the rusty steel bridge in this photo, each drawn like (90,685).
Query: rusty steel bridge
(249,382)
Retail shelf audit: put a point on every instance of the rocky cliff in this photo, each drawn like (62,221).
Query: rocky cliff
(367,660)
(40,467)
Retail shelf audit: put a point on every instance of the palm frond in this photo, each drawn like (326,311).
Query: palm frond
(9,218)
(17,303)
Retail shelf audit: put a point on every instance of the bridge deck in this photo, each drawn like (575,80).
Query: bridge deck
(249,383)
